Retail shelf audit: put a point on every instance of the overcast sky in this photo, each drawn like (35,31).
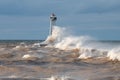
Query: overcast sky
(29,19)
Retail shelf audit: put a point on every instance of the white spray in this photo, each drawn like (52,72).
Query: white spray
(85,45)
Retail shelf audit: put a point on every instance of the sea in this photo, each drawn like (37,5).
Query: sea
(62,56)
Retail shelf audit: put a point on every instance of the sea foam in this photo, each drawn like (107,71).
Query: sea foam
(114,54)
(86,46)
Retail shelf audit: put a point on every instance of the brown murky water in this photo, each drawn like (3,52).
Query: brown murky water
(40,63)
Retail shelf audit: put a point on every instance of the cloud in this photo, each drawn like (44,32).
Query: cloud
(18,16)
(41,8)
(38,7)
(28,7)
(99,6)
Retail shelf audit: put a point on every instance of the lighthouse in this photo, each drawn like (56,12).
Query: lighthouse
(53,19)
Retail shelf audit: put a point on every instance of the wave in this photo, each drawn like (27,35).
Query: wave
(83,46)
(13,77)
(114,54)
(60,78)
(86,46)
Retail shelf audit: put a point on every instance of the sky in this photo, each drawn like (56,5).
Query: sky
(29,19)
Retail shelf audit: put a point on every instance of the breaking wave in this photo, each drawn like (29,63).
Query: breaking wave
(68,56)
(60,78)
(86,46)
(114,54)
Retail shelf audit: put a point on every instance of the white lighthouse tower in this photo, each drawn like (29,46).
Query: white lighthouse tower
(53,19)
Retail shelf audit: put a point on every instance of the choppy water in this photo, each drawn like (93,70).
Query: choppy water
(64,58)
(34,63)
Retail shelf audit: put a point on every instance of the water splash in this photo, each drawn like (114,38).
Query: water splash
(86,46)
(60,78)
(56,35)
(62,40)
(114,54)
